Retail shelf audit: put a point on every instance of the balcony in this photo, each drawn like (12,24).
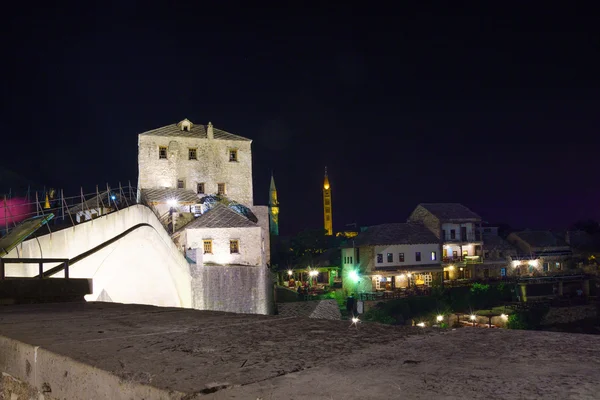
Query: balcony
(463,260)
(469,237)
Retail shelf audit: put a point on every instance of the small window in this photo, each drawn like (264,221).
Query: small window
(207,244)
(501,254)
(350,259)
(379,258)
(452,234)
(558,266)
(162,153)
(390,257)
(433,256)
(327,202)
(546,267)
(327,217)
(327,209)
(358,255)
(233,155)
(192,154)
(502,271)
(401,257)
(221,188)
(186,128)
(234,246)
(418,256)
(200,188)
(180,184)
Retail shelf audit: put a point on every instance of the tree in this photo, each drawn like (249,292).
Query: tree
(589,226)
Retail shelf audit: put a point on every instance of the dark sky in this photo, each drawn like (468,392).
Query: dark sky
(498,109)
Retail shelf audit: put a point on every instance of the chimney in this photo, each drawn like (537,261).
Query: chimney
(209,131)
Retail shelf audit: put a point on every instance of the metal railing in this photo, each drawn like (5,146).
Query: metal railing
(469,237)
(463,260)
(14,208)
(39,261)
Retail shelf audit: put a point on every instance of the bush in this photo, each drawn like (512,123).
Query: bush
(378,315)
(530,319)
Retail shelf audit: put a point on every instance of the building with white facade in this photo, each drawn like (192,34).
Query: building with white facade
(196,157)
(539,252)
(391,256)
(459,235)
(199,180)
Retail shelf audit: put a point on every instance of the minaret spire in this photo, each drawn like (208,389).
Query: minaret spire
(327,212)
(273,208)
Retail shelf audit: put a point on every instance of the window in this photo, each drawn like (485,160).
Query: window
(327,202)
(390,257)
(327,209)
(207,245)
(502,271)
(418,256)
(192,154)
(546,267)
(233,155)
(444,234)
(558,266)
(463,233)
(180,184)
(433,256)
(486,254)
(350,259)
(379,258)
(501,254)
(452,234)
(200,188)
(327,217)
(401,257)
(234,246)
(427,279)
(358,255)
(162,153)
(221,188)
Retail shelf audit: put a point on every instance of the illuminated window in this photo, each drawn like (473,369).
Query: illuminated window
(418,256)
(221,188)
(200,188)
(327,217)
(327,209)
(207,245)
(180,184)
(433,256)
(558,265)
(192,154)
(401,257)
(162,153)
(502,271)
(390,257)
(379,258)
(233,155)
(327,202)
(234,246)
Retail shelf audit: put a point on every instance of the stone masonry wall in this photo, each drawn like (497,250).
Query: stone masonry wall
(232,288)
(211,167)
(321,309)
(250,242)
(563,315)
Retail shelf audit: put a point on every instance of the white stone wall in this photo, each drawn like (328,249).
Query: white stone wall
(409,251)
(211,167)
(250,241)
(143,267)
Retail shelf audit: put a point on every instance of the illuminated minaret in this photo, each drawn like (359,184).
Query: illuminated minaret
(327,214)
(273,209)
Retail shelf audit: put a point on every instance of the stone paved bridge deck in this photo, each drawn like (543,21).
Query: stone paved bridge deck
(115,351)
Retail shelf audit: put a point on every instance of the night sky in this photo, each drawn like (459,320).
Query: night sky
(498,109)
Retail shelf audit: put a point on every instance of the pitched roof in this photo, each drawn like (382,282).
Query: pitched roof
(496,242)
(162,195)
(220,216)
(541,239)
(450,211)
(396,233)
(196,131)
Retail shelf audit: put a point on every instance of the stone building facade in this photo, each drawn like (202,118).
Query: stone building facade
(201,158)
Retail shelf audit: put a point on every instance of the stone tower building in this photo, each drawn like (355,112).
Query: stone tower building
(200,158)
(327,214)
(273,209)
